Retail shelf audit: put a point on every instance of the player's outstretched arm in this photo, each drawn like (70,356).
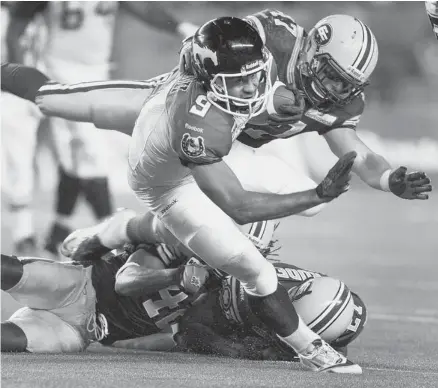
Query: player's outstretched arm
(375,170)
(222,186)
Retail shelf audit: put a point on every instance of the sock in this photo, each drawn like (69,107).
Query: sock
(23,81)
(68,192)
(275,311)
(12,271)
(96,192)
(301,338)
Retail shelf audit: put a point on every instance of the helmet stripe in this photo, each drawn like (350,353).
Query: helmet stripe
(372,50)
(362,47)
(368,42)
(327,317)
(335,317)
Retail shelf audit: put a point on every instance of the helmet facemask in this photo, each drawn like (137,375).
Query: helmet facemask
(324,81)
(259,71)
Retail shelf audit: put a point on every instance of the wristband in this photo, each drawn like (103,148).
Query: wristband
(384,180)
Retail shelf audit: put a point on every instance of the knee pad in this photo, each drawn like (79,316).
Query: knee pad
(265,283)
(229,250)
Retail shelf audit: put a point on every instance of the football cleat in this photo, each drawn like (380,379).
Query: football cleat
(110,233)
(321,357)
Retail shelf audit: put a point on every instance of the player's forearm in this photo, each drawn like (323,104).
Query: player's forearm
(370,168)
(265,206)
(138,281)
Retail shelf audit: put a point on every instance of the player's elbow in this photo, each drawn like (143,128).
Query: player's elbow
(124,283)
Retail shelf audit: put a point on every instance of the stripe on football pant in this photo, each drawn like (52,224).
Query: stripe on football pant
(56,88)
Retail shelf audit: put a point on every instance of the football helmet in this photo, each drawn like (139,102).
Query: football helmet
(227,48)
(261,234)
(337,60)
(325,305)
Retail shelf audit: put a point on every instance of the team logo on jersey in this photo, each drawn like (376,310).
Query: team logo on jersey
(298,292)
(324,34)
(193,147)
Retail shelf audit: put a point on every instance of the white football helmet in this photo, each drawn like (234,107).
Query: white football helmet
(337,60)
(261,233)
(325,305)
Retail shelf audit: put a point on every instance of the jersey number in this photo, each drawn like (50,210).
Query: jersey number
(357,317)
(201,106)
(172,302)
(73,15)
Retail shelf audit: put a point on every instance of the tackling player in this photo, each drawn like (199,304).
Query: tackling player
(71,304)
(77,46)
(176,168)
(127,306)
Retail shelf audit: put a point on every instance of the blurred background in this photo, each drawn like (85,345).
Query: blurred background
(366,238)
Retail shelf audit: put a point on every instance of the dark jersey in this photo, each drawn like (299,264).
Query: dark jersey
(130,317)
(284,39)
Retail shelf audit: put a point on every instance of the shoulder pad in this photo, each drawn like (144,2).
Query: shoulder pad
(202,133)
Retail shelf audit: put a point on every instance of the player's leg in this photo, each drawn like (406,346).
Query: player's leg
(19,121)
(41,283)
(40,331)
(214,237)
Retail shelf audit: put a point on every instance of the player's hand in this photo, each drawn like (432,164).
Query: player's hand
(193,277)
(289,113)
(185,57)
(337,180)
(413,185)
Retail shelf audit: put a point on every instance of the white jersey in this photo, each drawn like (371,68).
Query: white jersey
(80,32)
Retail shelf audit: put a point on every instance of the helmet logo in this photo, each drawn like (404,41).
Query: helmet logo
(193,147)
(250,66)
(296,293)
(323,34)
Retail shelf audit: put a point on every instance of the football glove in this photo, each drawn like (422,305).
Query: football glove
(413,185)
(193,277)
(289,113)
(337,180)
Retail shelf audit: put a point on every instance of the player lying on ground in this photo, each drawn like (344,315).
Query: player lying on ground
(218,324)
(85,307)
(177,169)
(318,64)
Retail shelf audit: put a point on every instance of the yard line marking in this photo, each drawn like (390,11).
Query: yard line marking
(403,318)
(402,370)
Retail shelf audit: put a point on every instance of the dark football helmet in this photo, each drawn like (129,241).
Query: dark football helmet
(229,47)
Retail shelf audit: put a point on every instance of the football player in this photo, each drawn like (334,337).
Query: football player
(181,135)
(331,75)
(77,47)
(68,305)
(222,324)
